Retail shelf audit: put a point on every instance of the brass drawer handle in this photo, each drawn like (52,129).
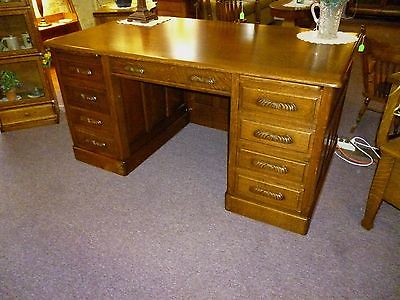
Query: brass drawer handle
(132,69)
(197,78)
(91,121)
(266,165)
(266,193)
(88,98)
(85,71)
(276,105)
(96,143)
(283,139)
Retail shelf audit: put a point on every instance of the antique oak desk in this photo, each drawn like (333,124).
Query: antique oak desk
(125,89)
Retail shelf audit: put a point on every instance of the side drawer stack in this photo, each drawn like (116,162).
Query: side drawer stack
(86,103)
(274,141)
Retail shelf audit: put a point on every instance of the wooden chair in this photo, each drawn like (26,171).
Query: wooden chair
(379,61)
(386,180)
(229,10)
(226,10)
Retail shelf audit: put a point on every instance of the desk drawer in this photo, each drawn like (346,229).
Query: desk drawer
(95,122)
(205,79)
(81,67)
(102,145)
(191,78)
(286,138)
(84,97)
(268,193)
(268,165)
(283,99)
(287,106)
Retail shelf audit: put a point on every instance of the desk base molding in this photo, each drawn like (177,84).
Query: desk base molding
(267,215)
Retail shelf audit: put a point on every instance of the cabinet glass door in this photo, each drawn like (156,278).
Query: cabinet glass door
(26,76)
(15,34)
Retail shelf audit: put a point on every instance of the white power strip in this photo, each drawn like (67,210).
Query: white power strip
(345,144)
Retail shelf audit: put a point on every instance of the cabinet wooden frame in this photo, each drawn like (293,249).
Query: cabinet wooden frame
(36,104)
(14,3)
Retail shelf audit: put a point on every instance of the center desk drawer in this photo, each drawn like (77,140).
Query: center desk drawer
(291,139)
(187,77)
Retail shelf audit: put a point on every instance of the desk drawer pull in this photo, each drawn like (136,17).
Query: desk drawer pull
(260,191)
(283,139)
(276,105)
(80,71)
(88,98)
(92,121)
(136,70)
(261,164)
(197,78)
(96,143)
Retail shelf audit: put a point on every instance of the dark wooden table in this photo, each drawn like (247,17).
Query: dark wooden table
(292,16)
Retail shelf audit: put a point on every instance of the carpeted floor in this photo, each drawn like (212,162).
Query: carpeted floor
(72,231)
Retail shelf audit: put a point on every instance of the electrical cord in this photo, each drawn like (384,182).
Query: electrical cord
(360,144)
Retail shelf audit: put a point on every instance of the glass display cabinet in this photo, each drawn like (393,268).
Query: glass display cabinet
(26,95)
(55,18)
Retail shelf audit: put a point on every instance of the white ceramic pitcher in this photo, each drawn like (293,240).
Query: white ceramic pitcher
(9,43)
(329,18)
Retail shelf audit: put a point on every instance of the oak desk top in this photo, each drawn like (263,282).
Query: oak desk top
(259,50)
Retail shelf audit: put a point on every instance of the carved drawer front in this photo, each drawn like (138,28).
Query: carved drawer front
(283,99)
(272,166)
(203,79)
(84,97)
(276,136)
(81,67)
(94,143)
(192,78)
(268,193)
(24,114)
(95,122)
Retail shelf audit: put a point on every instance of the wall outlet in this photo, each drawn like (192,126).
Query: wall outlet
(345,144)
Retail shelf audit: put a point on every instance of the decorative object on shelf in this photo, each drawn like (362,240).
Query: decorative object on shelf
(9,84)
(330,13)
(123,3)
(9,43)
(46,59)
(26,40)
(40,5)
(142,14)
(36,93)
